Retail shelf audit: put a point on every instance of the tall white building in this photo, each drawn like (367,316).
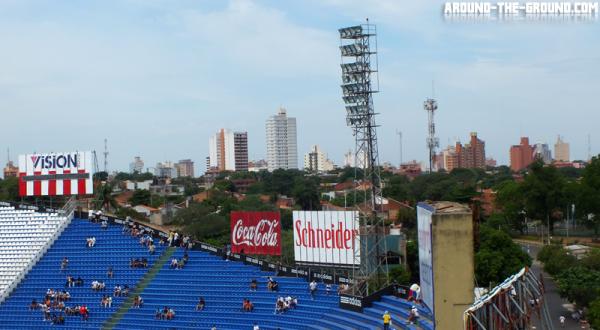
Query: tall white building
(228,151)
(561,150)
(351,161)
(282,147)
(137,165)
(316,160)
(165,170)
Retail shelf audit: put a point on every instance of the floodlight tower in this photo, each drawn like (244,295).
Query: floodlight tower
(358,46)
(430,105)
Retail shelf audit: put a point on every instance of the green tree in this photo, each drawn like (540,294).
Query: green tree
(510,200)
(9,189)
(589,195)
(579,285)
(140,197)
(397,188)
(498,257)
(556,259)
(593,314)
(544,193)
(306,193)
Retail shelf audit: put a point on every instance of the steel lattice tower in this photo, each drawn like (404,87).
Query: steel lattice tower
(358,46)
(430,105)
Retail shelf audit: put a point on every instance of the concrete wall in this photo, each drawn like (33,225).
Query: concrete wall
(453,264)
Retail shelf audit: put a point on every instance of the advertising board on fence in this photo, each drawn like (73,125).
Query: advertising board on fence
(56,174)
(424,214)
(256,233)
(326,237)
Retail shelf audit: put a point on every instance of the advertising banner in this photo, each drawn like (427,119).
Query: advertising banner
(56,174)
(256,233)
(326,237)
(424,213)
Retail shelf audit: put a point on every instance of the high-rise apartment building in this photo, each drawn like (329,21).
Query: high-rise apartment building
(521,155)
(137,166)
(470,155)
(185,167)
(228,151)
(561,151)
(165,170)
(282,147)
(316,160)
(542,151)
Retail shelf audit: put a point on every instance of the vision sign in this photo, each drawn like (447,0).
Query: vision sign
(256,233)
(56,174)
(327,237)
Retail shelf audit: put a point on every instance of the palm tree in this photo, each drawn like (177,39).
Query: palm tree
(105,198)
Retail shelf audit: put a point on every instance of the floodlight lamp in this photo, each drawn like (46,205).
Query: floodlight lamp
(351,32)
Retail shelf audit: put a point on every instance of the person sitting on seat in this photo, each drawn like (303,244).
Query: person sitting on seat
(104,224)
(201,304)
(95,285)
(174,263)
(83,311)
(103,301)
(137,301)
(125,291)
(110,272)
(79,281)
(70,281)
(117,291)
(158,314)
(34,305)
(64,263)
(253,285)
(274,286)
(279,306)
(413,315)
(247,306)
(170,314)
(151,248)
(328,289)
(180,264)
(144,263)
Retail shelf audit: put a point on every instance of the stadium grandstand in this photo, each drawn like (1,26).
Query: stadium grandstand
(54,277)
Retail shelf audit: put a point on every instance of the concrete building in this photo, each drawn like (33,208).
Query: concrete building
(446,258)
(282,147)
(228,151)
(521,155)
(258,165)
(491,162)
(561,151)
(542,151)
(470,155)
(316,161)
(165,170)
(137,166)
(10,170)
(185,167)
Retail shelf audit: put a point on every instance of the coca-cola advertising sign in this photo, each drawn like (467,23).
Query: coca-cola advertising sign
(256,232)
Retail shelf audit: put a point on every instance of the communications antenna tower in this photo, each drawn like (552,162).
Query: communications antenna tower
(106,155)
(358,47)
(430,105)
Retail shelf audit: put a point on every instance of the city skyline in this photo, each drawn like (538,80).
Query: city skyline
(132,72)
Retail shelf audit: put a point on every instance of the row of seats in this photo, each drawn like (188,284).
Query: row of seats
(23,236)
(112,249)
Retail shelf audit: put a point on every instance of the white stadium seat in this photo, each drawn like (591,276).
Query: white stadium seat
(23,235)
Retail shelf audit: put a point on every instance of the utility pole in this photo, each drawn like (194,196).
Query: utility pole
(399,133)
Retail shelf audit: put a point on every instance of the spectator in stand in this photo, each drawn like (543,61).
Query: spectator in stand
(109,272)
(279,306)
(83,311)
(256,327)
(328,289)
(201,304)
(174,263)
(151,248)
(70,281)
(34,305)
(64,263)
(247,306)
(170,239)
(185,258)
(158,314)
(144,262)
(342,288)
(79,281)
(387,320)
(275,286)
(91,215)
(413,315)
(180,264)
(253,285)
(313,289)
(414,293)
(138,301)
(117,291)
(125,291)
(104,224)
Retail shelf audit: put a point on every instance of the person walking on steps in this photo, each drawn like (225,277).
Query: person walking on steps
(387,320)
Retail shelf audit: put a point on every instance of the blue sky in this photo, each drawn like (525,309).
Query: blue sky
(158,77)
